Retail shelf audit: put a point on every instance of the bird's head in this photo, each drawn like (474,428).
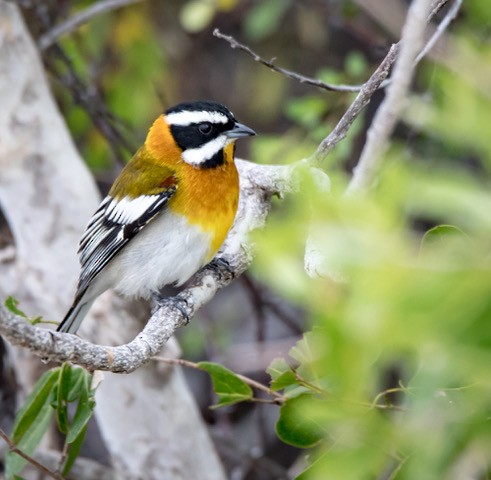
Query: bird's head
(197,133)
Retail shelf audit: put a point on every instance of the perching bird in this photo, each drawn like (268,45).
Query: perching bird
(167,213)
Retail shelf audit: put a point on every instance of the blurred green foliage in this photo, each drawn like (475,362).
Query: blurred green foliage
(265,18)
(417,308)
(400,351)
(196,15)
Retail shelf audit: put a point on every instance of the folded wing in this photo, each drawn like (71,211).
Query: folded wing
(113,225)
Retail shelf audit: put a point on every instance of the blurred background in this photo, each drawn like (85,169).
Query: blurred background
(403,316)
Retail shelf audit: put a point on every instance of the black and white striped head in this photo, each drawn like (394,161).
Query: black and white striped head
(202,130)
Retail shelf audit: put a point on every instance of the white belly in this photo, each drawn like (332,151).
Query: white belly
(168,250)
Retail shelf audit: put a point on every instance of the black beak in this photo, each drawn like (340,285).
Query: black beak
(240,130)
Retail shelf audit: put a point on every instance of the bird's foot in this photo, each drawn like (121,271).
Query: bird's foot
(178,302)
(222,268)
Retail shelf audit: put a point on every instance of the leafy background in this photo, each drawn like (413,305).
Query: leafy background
(392,378)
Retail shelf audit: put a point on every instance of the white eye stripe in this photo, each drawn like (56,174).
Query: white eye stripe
(183,119)
(197,156)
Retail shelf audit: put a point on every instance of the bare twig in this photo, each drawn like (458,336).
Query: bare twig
(72,23)
(84,468)
(442,26)
(63,456)
(13,448)
(388,113)
(88,97)
(278,398)
(439,31)
(314,260)
(436,6)
(376,81)
(257,304)
(261,301)
(361,100)
(314,82)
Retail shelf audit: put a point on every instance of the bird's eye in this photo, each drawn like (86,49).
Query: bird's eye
(205,128)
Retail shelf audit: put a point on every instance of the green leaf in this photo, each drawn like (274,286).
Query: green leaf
(355,65)
(197,15)
(302,351)
(70,385)
(228,386)
(77,383)
(74,450)
(32,421)
(312,469)
(281,373)
(61,405)
(307,111)
(11,304)
(295,426)
(34,402)
(441,236)
(84,412)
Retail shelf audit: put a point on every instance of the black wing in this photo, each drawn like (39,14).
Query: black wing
(113,225)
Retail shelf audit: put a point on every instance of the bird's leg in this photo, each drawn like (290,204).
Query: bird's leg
(176,301)
(221,267)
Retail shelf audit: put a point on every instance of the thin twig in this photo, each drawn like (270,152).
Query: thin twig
(288,73)
(439,31)
(72,23)
(442,26)
(376,81)
(257,304)
(436,6)
(13,448)
(387,115)
(310,385)
(261,302)
(63,456)
(361,100)
(252,383)
(88,97)
(386,392)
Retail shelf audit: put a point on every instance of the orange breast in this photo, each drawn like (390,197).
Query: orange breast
(209,198)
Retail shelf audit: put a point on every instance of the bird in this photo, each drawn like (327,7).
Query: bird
(167,213)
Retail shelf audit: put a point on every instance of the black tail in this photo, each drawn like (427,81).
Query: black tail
(74,316)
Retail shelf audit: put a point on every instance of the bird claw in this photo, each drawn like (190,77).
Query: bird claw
(222,268)
(178,302)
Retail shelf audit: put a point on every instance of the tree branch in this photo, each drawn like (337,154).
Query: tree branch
(39,466)
(440,30)
(362,99)
(314,82)
(72,23)
(376,81)
(314,260)
(258,184)
(387,115)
